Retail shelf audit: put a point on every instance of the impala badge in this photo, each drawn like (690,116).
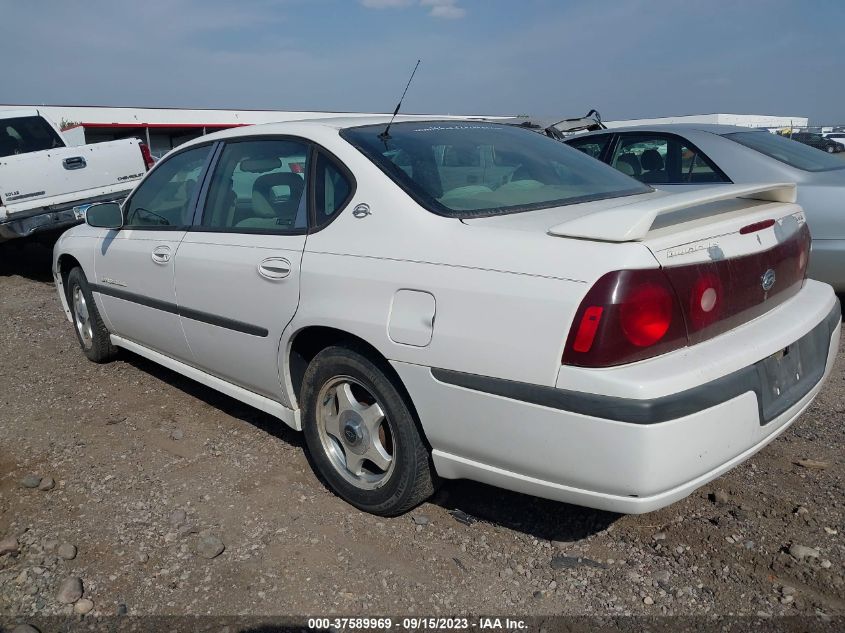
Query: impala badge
(768,280)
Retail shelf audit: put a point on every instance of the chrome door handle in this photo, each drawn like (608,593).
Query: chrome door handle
(274,268)
(161,254)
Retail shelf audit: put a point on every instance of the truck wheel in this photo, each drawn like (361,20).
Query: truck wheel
(90,330)
(362,437)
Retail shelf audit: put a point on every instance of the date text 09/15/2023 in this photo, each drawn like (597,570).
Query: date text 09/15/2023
(418,623)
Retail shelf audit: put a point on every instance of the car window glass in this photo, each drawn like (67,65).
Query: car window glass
(658,159)
(788,151)
(20,135)
(592,145)
(470,169)
(332,188)
(164,198)
(258,187)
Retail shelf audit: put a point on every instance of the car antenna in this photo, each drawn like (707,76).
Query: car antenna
(386,134)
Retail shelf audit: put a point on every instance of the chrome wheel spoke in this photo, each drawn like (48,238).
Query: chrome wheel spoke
(373,416)
(354,463)
(345,398)
(378,455)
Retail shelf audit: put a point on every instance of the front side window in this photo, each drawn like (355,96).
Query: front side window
(788,151)
(471,169)
(164,200)
(259,187)
(21,135)
(659,159)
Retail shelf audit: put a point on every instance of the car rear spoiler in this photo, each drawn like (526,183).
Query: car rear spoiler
(632,222)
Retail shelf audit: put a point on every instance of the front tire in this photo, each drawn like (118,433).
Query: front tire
(831,149)
(91,332)
(362,437)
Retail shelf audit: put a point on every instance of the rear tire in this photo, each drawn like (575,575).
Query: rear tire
(91,332)
(362,437)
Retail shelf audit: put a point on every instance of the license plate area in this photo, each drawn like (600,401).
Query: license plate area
(788,375)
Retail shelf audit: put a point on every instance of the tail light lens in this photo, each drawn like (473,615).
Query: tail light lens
(627,315)
(149,161)
(631,315)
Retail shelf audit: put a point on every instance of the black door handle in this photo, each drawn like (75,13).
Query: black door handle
(74,162)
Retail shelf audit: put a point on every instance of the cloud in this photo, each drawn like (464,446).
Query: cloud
(447,9)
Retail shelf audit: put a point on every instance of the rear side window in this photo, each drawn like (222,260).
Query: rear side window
(27,134)
(663,159)
(332,189)
(788,151)
(258,187)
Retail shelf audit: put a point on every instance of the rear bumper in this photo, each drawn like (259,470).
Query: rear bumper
(40,223)
(621,465)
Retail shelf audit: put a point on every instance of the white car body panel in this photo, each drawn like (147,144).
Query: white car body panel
(484,297)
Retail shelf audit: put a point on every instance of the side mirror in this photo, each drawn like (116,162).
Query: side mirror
(106,215)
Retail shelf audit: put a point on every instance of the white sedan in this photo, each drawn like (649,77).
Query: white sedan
(463,299)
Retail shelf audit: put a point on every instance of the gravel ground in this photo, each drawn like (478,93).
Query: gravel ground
(165,497)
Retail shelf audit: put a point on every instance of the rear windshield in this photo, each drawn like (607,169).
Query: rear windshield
(467,169)
(788,151)
(27,134)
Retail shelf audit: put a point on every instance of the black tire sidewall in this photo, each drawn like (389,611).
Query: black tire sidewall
(101,347)
(399,493)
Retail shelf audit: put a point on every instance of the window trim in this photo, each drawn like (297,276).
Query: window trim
(191,205)
(684,142)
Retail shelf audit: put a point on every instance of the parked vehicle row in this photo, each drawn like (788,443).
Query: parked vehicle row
(467,299)
(819,141)
(679,158)
(42,179)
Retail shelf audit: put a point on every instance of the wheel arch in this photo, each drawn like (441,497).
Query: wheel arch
(307,342)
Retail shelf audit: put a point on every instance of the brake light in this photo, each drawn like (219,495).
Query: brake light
(297,168)
(149,161)
(627,315)
(631,315)
(757,226)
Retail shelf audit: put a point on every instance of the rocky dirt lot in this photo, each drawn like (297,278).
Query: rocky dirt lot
(165,497)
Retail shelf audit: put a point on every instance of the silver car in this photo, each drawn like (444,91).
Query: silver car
(680,157)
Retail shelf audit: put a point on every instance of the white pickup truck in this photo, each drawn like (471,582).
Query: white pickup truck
(42,179)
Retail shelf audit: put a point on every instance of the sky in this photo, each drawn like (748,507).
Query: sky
(546,58)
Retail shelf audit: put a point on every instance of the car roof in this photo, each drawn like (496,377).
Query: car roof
(333,123)
(677,128)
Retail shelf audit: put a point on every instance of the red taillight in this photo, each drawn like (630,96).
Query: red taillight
(587,329)
(631,315)
(149,161)
(646,314)
(627,315)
